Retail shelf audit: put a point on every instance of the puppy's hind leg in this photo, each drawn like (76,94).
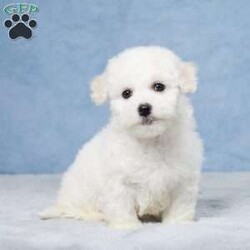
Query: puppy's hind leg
(50,213)
(85,214)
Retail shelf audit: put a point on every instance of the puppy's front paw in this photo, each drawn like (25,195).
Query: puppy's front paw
(125,225)
(180,219)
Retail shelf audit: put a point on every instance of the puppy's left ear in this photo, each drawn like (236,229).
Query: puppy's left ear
(98,89)
(188,79)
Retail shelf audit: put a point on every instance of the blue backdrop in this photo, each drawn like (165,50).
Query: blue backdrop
(45,110)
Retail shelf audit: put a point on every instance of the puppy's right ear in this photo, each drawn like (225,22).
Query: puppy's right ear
(188,79)
(98,90)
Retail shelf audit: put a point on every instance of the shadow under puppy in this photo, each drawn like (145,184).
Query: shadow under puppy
(146,161)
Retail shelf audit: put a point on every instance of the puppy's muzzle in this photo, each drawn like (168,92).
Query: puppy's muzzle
(144,110)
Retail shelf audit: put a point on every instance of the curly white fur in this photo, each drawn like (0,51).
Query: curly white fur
(130,168)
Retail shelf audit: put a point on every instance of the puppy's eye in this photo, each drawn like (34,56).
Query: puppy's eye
(127,93)
(158,86)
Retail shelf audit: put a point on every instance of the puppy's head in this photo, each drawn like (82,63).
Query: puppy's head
(143,85)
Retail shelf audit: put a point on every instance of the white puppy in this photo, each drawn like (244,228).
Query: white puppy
(147,160)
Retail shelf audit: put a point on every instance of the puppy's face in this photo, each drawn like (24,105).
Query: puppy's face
(144,85)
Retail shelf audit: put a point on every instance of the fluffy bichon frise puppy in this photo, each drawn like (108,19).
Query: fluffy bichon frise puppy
(147,160)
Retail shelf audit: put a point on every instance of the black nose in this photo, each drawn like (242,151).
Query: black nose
(144,109)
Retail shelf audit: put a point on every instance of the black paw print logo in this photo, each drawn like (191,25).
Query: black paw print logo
(20,27)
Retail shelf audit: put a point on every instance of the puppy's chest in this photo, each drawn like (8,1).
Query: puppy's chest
(148,168)
(150,181)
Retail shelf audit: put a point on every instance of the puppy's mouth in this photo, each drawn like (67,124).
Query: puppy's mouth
(147,121)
